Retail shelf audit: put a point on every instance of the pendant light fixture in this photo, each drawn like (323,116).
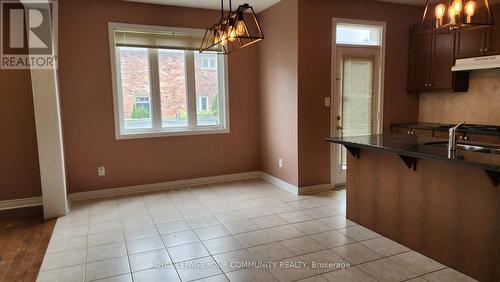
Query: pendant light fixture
(449,15)
(238,30)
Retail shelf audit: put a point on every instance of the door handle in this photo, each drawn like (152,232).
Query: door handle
(339,127)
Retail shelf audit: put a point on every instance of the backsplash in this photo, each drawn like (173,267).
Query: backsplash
(481,105)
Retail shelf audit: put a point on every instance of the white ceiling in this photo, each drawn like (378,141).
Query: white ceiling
(258,5)
(409,2)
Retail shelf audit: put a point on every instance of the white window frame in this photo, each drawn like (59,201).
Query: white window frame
(157,130)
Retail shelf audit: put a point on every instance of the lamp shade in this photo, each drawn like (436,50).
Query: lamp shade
(446,15)
(238,30)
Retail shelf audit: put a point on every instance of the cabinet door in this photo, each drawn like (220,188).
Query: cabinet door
(443,59)
(422,49)
(493,40)
(471,43)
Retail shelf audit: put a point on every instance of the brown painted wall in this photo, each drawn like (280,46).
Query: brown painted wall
(19,170)
(87,105)
(278,90)
(288,121)
(315,45)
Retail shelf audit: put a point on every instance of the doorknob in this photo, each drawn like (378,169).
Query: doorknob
(339,127)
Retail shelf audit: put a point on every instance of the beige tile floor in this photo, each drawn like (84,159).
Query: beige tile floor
(239,231)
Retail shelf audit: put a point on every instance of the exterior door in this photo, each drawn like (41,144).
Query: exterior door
(356,100)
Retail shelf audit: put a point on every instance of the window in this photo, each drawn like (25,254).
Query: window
(142,108)
(163,86)
(208,63)
(202,103)
(356,34)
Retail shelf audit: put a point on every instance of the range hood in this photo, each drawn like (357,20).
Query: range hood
(479,63)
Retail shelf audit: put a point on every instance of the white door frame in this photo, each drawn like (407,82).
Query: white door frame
(335,86)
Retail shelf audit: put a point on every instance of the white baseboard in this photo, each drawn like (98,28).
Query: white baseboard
(171,185)
(186,183)
(279,183)
(295,189)
(306,190)
(20,203)
(178,184)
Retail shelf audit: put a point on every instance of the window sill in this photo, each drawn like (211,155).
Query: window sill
(142,135)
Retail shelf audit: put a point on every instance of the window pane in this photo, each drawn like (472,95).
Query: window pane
(134,64)
(207,86)
(172,69)
(357,98)
(358,34)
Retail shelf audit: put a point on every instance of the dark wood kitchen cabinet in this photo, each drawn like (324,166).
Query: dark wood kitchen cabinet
(483,41)
(493,35)
(431,58)
(471,43)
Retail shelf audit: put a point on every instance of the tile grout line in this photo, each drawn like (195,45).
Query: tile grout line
(233,234)
(86,252)
(248,248)
(126,250)
(428,273)
(163,243)
(210,212)
(204,246)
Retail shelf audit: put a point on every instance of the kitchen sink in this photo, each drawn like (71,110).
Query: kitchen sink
(480,148)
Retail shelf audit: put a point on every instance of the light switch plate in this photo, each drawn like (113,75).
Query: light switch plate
(101,171)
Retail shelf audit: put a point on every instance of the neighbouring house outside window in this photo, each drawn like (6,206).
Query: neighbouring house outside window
(163,86)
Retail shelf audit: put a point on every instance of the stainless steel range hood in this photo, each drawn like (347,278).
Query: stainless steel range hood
(479,63)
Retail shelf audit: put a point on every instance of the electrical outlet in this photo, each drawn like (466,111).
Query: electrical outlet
(280,162)
(101,170)
(328,102)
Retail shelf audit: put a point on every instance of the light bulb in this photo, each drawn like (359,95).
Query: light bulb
(457,5)
(216,37)
(240,28)
(452,14)
(440,10)
(470,8)
(223,39)
(232,34)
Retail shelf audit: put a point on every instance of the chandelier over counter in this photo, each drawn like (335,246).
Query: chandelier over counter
(236,31)
(449,15)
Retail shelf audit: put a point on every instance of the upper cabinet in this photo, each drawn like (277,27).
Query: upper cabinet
(471,43)
(432,55)
(431,58)
(483,41)
(493,35)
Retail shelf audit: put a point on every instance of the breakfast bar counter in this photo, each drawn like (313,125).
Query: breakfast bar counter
(443,205)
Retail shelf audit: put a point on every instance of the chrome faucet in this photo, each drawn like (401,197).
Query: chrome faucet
(452,137)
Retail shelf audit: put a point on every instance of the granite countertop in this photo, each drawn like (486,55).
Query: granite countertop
(467,128)
(416,147)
